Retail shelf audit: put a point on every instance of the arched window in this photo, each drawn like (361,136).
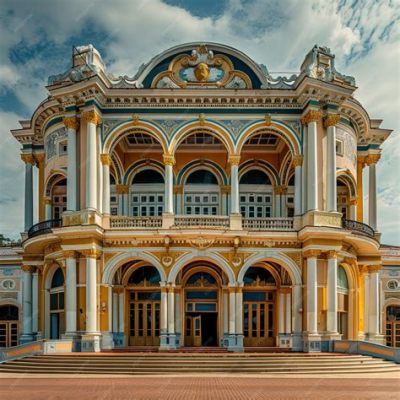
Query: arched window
(147,193)
(57,314)
(59,198)
(201,279)
(343,198)
(202,193)
(145,276)
(8,325)
(255,194)
(258,276)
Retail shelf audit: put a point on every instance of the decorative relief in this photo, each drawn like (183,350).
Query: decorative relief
(201,243)
(296,257)
(235,126)
(168,126)
(201,69)
(109,125)
(311,116)
(52,140)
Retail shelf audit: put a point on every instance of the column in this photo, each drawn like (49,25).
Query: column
(297,316)
(114,311)
(47,208)
(232,310)
(92,119)
(71,123)
(311,119)
(360,191)
(288,313)
(171,313)
(239,311)
(178,313)
(297,163)
(29,161)
(371,160)
(123,193)
(365,272)
(312,293)
(277,201)
(373,304)
(234,162)
(164,315)
(35,302)
(331,323)
(169,162)
(121,314)
(178,190)
(91,290)
(353,209)
(99,172)
(226,311)
(304,207)
(71,296)
(106,162)
(281,321)
(330,122)
(39,157)
(26,333)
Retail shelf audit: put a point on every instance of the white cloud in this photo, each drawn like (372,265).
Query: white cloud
(364,36)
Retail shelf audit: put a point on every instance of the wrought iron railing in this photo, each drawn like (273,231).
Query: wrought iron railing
(357,227)
(44,227)
(135,222)
(201,221)
(268,224)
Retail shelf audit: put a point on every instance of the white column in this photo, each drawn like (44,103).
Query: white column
(125,197)
(71,124)
(312,300)
(232,311)
(164,309)
(169,184)
(27,302)
(372,221)
(353,209)
(115,312)
(121,311)
(178,313)
(297,161)
(28,190)
(234,161)
(297,305)
(239,311)
(35,302)
(331,323)
(110,308)
(277,198)
(92,119)
(288,313)
(91,293)
(171,310)
(281,322)
(106,161)
(226,311)
(99,172)
(311,119)
(304,206)
(70,287)
(366,300)
(331,197)
(373,308)
(48,209)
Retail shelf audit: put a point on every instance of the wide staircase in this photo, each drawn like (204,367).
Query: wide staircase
(191,363)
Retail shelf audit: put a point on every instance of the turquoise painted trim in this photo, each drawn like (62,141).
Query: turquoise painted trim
(267,166)
(201,162)
(138,164)
(372,146)
(28,146)
(312,103)
(71,108)
(333,107)
(52,122)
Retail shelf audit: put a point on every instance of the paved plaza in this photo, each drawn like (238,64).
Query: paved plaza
(200,387)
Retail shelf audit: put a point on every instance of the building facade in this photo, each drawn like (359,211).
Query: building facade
(202,202)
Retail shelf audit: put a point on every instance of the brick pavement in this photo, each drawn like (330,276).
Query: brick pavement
(198,388)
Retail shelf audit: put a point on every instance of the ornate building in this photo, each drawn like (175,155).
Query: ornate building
(202,202)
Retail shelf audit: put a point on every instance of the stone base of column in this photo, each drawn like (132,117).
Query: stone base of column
(90,342)
(118,338)
(26,338)
(235,222)
(172,341)
(297,341)
(75,338)
(107,340)
(39,336)
(361,336)
(168,220)
(378,339)
(284,340)
(164,345)
(234,343)
(311,343)
(331,336)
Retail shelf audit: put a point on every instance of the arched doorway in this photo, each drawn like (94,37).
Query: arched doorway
(8,325)
(143,297)
(393,325)
(259,310)
(343,302)
(57,313)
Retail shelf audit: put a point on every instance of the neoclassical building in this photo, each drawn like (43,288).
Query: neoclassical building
(202,202)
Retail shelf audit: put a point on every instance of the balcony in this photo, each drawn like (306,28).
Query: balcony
(121,222)
(44,227)
(358,227)
(268,224)
(201,222)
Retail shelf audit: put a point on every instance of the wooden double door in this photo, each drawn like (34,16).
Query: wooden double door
(144,323)
(258,319)
(393,326)
(8,333)
(201,329)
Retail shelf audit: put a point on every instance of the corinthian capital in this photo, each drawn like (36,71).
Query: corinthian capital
(105,159)
(372,159)
(169,159)
(28,158)
(91,117)
(71,122)
(234,160)
(297,161)
(311,116)
(331,120)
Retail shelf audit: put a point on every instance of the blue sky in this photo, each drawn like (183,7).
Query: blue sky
(36,39)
